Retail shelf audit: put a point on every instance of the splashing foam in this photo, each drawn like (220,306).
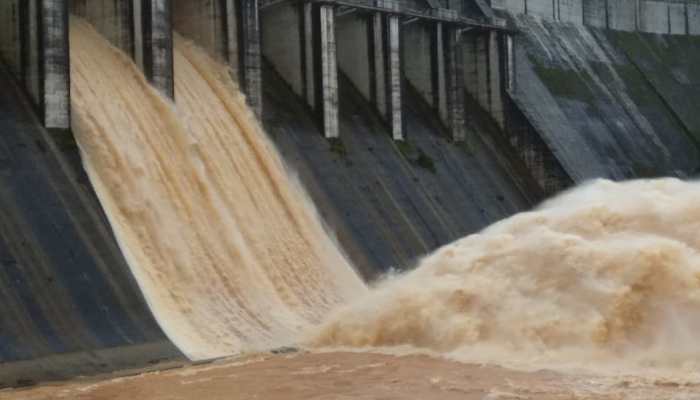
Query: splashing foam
(607,274)
(228,251)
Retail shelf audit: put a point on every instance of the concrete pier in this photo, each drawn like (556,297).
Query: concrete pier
(455,84)
(230,31)
(438,73)
(418,39)
(510,63)
(249,52)
(394,77)
(308,48)
(56,67)
(158,45)
(326,63)
(34,44)
(378,64)
(495,78)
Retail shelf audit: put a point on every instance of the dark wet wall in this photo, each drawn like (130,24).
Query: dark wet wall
(67,297)
(390,203)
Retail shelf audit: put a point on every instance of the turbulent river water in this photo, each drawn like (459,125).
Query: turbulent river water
(606,276)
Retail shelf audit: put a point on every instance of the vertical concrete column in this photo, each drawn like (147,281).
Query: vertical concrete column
(308,64)
(230,28)
(32,75)
(378,64)
(385,70)
(55,66)
(157,39)
(482,71)
(455,84)
(495,88)
(249,53)
(510,63)
(137,18)
(328,69)
(438,71)
(394,76)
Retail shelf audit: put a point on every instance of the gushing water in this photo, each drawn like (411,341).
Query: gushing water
(605,275)
(226,248)
(231,256)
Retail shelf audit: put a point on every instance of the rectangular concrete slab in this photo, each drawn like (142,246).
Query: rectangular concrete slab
(543,9)
(570,11)
(677,19)
(622,15)
(281,27)
(653,16)
(594,13)
(417,62)
(353,50)
(694,19)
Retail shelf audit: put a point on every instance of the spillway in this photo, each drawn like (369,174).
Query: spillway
(228,251)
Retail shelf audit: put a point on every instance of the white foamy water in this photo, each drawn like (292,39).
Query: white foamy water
(606,276)
(228,251)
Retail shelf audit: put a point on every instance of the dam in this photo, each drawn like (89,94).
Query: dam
(184,180)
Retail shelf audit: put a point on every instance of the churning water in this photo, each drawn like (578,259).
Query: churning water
(607,275)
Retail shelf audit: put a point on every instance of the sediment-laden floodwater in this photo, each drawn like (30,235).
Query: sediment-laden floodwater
(601,284)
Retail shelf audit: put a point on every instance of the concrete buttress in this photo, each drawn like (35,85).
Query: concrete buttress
(394,76)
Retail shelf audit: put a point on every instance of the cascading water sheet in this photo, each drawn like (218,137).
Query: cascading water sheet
(226,247)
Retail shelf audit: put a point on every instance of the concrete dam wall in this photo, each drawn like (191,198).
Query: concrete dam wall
(410,124)
(68,298)
(675,17)
(608,103)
